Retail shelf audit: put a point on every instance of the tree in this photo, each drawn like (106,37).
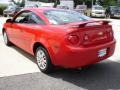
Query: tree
(87,2)
(107,3)
(56,2)
(20,3)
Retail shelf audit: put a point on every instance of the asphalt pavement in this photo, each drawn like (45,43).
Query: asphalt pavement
(101,76)
(18,71)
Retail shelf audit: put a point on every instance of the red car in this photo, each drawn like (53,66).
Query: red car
(59,37)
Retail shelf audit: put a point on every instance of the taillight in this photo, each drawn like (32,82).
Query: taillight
(74,39)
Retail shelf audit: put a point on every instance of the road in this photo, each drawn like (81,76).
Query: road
(18,71)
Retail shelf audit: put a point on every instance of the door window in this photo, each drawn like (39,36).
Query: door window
(34,19)
(22,18)
(28,18)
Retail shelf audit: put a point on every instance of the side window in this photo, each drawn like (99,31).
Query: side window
(34,19)
(22,18)
(28,18)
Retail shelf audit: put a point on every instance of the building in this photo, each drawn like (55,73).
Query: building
(68,3)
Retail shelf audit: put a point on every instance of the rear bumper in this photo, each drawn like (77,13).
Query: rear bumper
(98,15)
(70,57)
(116,15)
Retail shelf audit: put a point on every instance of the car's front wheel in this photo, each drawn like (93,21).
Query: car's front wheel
(5,15)
(6,39)
(43,60)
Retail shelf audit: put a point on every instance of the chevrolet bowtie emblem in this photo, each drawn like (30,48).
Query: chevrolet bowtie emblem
(100,33)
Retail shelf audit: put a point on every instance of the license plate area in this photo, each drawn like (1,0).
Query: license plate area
(102,52)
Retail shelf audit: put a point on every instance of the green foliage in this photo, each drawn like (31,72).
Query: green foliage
(20,4)
(2,7)
(107,3)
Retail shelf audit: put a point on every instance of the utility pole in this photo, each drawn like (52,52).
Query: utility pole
(96,2)
(92,2)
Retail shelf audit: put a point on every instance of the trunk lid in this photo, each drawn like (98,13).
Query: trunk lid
(93,32)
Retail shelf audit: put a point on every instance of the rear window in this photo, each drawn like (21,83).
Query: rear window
(64,16)
(98,8)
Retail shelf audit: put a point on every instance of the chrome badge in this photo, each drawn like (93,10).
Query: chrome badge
(100,33)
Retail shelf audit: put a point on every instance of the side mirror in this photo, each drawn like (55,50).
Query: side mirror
(9,21)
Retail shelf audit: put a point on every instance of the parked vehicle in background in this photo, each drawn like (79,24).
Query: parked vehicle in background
(113,12)
(58,37)
(81,9)
(11,10)
(97,11)
(62,7)
(69,3)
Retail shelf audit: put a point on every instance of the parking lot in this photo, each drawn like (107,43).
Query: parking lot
(18,70)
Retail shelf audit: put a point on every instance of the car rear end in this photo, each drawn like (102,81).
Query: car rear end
(88,43)
(81,9)
(84,41)
(97,11)
(98,14)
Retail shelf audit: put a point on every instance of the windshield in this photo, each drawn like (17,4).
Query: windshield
(115,8)
(98,8)
(64,16)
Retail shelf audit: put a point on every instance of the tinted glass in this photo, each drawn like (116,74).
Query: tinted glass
(28,18)
(98,8)
(64,16)
(34,19)
(22,18)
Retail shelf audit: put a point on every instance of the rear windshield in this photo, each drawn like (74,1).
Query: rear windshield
(115,8)
(98,8)
(64,16)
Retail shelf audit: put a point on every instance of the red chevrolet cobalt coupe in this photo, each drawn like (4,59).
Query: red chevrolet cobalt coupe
(59,37)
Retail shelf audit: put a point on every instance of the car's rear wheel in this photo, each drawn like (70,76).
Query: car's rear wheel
(43,60)
(6,39)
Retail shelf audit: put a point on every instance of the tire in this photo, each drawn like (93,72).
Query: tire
(111,16)
(91,15)
(6,39)
(43,60)
(5,15)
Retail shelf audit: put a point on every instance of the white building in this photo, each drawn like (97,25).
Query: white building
(31,3)
(68,3)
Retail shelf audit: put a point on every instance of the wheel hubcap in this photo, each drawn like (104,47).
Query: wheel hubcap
(41,59)
(5,38)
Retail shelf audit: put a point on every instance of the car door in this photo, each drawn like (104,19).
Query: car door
(30,30)
(17,27)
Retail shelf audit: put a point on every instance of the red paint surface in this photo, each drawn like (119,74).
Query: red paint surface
(79,51)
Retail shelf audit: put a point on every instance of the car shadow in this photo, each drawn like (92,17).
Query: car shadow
(101,76)
(25,54)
